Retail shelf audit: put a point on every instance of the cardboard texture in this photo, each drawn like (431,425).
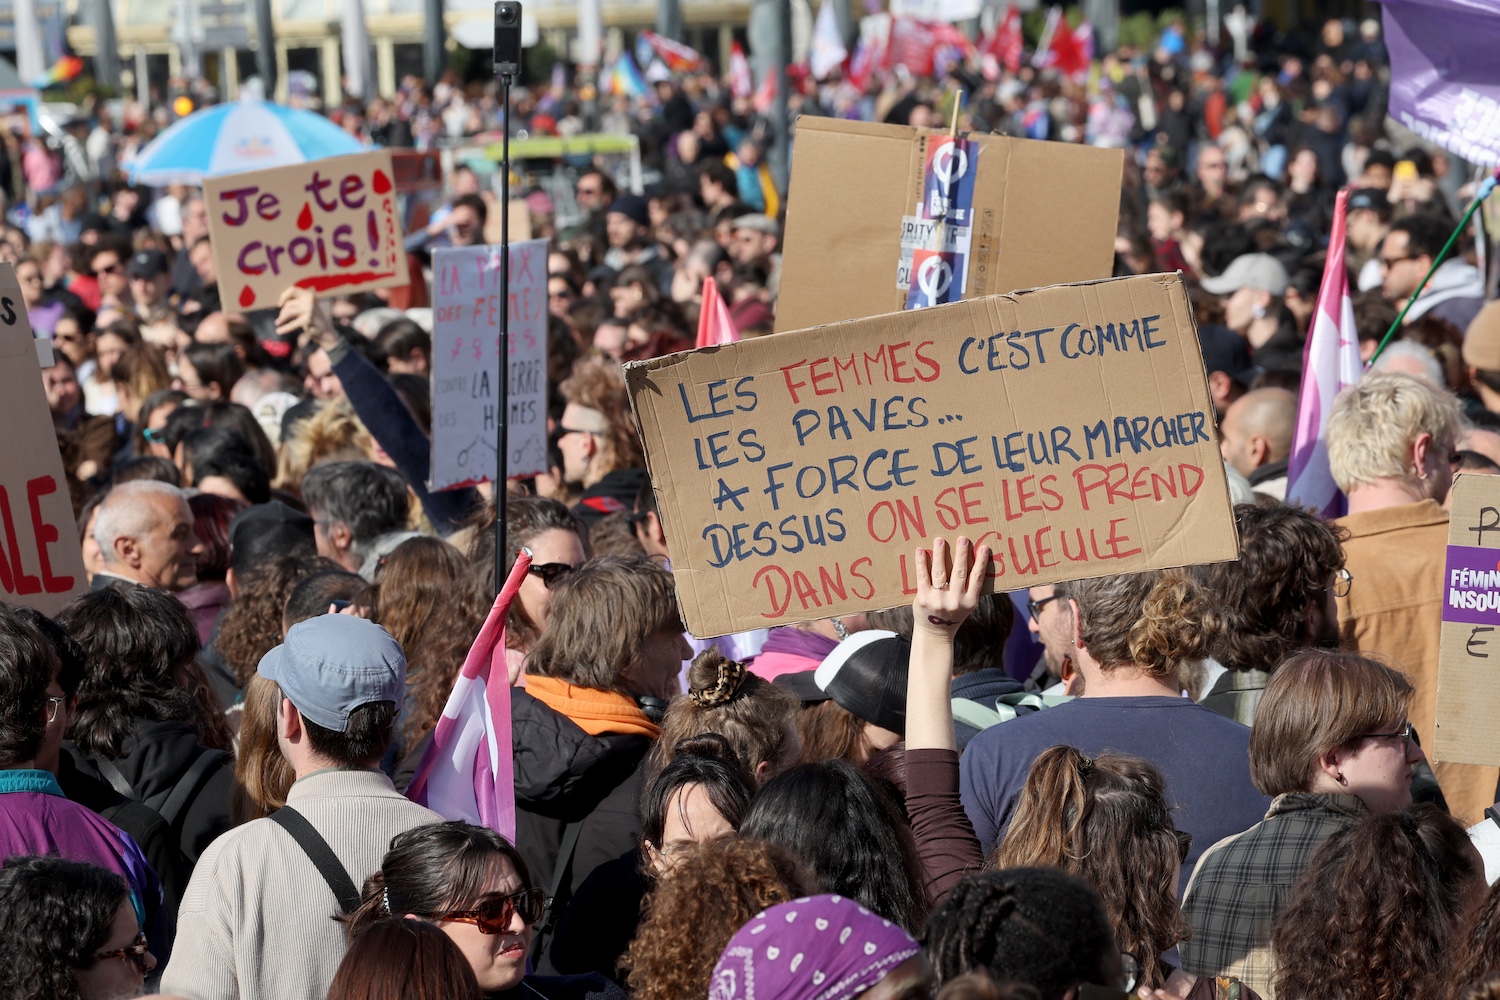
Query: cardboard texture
(1469,655)
(41,565)
(466,363)
(329,225)
(1068,427)
(1042,213)
(520,222)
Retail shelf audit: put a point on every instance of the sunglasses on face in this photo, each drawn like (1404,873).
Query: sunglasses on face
(493,915)
(135,951)
(550,573)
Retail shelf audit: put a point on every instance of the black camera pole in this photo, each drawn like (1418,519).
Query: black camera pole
(507,67)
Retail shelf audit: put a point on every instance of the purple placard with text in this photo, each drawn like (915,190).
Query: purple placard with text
(1471,585)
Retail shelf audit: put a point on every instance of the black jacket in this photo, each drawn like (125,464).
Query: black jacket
(158,756)
(564,775)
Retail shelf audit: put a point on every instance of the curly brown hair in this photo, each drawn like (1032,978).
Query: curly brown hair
(1105,820)
(1477,952)
(420,598)
(598,384)
(1288,556)
(251,627)
(696,908)
(1375,914)
(1156,621)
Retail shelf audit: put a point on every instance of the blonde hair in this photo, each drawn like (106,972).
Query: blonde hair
(1320,700)
(333,434)
(1375,421)
(1157,621)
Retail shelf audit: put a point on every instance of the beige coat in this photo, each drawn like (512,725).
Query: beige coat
(1395,608)
(256,922)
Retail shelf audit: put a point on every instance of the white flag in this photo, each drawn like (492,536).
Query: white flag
(828,51)
(31,63)
(359,69)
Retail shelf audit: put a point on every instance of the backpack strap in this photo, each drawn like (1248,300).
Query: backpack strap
(172,804)
(115,777)
(560,877)
(974,714)
(320,854)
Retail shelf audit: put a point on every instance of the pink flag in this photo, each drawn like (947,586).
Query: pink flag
(1330,364)
(467,772)
(714,324)
(741,84)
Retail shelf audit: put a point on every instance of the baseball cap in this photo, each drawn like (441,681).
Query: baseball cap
(758,223)
(264,531)
(147,264)
(1251,270)
(1482,341)
(802,684)
(333,664)
(866,675)
(1226,351)
(1369,198)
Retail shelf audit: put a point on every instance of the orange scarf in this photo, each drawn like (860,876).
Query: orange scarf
(594,711)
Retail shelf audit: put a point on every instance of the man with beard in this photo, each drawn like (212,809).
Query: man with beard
(1281,597)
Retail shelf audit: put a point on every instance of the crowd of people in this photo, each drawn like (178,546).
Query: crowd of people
(1205,783)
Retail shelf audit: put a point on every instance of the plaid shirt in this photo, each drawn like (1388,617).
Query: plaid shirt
(1243,883)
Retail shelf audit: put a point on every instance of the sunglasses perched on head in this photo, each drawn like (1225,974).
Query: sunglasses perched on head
(493,915)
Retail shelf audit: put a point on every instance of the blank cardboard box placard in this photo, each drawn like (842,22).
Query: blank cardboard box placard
(41,564)
(1469,654)
(1045,213)
(329,225)
(1070,428)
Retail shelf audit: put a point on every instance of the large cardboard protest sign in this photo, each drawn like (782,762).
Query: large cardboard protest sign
(329,225)
(1070,428)
(886,217)
(466,363)
(40,562)
(1469,655)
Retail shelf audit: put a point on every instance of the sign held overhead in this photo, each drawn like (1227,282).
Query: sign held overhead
(1070,428)
(329,225)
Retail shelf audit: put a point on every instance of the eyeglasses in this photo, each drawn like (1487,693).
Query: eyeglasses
(1184,844)
(56,704)
(493,915)
(116,268)
(135,951)
(154,435)
(1386,263)
(1035,607)
(1405,733)
(550,573)
(563,432)
(1343,580)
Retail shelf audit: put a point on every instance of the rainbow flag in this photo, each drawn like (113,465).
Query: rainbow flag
(625,78)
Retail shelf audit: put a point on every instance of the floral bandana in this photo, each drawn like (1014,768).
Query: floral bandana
(817,948)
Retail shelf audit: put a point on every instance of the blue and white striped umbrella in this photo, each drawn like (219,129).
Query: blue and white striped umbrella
(239,135)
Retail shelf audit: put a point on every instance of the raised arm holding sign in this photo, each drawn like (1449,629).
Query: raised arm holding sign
(1067,428)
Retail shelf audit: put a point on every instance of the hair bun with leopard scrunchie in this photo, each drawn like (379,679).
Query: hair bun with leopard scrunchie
(728,676)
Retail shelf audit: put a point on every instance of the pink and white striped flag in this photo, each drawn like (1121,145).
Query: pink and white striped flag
(1330,364)
(714,324)
(467,772)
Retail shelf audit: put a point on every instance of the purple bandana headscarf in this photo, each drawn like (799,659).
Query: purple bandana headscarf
(819,948)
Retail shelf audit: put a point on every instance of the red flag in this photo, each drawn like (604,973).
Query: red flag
(766,94)
(1067,50)
(741,83)
(1005,43)
(679,58)
(714,323)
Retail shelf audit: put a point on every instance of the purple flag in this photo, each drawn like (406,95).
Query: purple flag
(1445,78)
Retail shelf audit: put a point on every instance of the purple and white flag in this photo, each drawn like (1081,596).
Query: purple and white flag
(1445,78)
(468,772)
(1330,364)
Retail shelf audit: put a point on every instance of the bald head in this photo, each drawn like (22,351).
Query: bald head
(214,329)
(1257,429)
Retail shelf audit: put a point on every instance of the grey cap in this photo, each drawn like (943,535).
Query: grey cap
(1251,270)
(330,665)
(759,223)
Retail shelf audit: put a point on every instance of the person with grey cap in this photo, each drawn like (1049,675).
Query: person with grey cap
(1253,288)
(257,918)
